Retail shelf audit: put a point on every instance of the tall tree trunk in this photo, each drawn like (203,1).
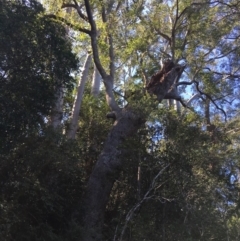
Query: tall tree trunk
(109,163)
(96,82)
(126,124)
(207,113)
(78,99)
(177,106)
(170,103)
(105,173)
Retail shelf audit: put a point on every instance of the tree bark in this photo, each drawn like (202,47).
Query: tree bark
(105,173)
(96,82)
(78,99)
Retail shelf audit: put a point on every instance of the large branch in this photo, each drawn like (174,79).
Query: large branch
(77,7)
(227,74)
(224,55)
(111,55)
(107,79)
(184,83)
(189,102)
(165,36)
(63,20)
(109,39)
(188,7)
(94,41)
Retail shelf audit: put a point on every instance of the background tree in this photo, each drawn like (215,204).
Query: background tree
(35,60)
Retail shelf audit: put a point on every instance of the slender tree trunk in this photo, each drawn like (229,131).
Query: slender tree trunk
(177,106)
(78,99)
(105,173)
(207,113)
(170,103)
(96,82)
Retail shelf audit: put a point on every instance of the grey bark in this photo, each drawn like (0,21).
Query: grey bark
(105,173)
(126,124)
(194,97)
(96,82)
(78,99)
(177,106)
(109,163)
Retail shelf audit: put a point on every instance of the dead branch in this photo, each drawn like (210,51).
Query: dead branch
(139,204)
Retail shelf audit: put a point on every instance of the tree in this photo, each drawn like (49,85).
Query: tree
(78,99)
(37,182)
(35,60)
(173,31)
(128,39)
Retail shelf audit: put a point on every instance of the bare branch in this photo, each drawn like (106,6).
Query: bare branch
(94,41)
(145,198)
(223,55)
(174,29)
(107,79)
(185,9)
(192,99)
(209,97)
(169,96)
(111,56)
(68,5)
(184,83)
(83,16)
(110,42)
(228,74)
(119,5)
(164,36)
(77,7)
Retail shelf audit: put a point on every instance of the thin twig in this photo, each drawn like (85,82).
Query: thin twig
(138,204)
(209,97)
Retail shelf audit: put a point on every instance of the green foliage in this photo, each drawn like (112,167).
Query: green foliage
(43,175)
(41,185)
(185,196)
(234,225)
(35,59)
(93,129)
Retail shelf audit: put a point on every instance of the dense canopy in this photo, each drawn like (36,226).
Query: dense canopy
(119,120)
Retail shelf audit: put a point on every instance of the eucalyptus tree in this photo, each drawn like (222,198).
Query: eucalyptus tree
(128,40)
(96,81)
(78,99)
